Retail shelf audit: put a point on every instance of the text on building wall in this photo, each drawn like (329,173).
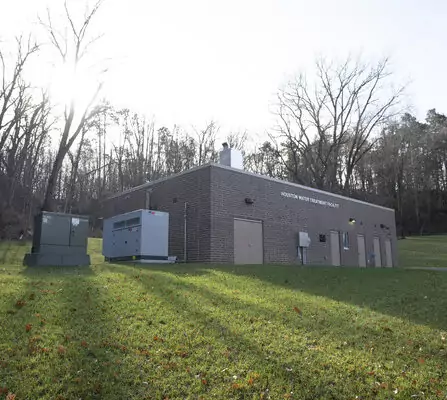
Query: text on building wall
(310,200)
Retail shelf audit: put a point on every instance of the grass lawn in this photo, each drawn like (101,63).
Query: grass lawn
(220,332)
(423,251)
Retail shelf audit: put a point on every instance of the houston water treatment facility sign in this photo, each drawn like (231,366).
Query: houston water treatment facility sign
(310,200)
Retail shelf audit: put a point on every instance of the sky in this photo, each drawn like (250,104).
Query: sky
(189,62)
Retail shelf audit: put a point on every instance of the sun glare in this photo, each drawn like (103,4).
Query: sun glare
(68,85)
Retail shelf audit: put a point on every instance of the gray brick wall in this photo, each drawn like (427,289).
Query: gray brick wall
(216,195)
(284,217)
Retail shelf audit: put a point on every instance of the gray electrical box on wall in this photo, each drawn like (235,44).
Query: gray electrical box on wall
(59,240)
(304,239)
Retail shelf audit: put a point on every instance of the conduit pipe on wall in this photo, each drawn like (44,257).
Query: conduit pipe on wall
(185,214)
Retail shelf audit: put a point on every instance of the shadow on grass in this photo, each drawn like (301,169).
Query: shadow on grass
(12,252)
(85,323)
(417,296)
(63,353)
(280,345)
(215,343)
(110,321)
(54,272)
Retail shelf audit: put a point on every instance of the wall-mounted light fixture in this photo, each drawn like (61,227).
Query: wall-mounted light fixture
(352,221)
(249,200)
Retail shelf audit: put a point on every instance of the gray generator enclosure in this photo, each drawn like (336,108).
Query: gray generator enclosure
(59,240)
(138,235)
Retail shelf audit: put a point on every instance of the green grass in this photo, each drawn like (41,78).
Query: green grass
(423,251)
(220,332)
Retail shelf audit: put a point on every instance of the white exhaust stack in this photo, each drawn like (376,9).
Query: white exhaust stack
(231,157)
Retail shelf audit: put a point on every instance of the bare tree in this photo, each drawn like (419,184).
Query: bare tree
(205,142)
(345,106)
(13,100)
(71,48)
(264,160)
(237,140)
(74,159)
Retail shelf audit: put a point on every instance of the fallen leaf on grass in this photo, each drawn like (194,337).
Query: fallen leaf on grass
(297,310)
(84,344)
(20,303)
(170,366)
(61,350)
(10,396)
(421,361)
(97,388)
(47,291)
(28,327)
(204,382)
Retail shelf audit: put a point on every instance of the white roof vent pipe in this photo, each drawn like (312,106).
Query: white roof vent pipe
(231,157)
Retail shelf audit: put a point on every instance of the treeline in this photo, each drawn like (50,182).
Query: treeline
(343,131)
(404,167)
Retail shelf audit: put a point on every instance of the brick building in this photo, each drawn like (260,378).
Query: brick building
(227,215)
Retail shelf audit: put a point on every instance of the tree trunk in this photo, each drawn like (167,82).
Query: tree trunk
(74,174)
(48,203)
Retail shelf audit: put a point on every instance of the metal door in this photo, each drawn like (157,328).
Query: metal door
(361,250)
(248,242)
(335,248)
(377,252)
(79,232)
(132,241)
(55,230)
(388,253)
